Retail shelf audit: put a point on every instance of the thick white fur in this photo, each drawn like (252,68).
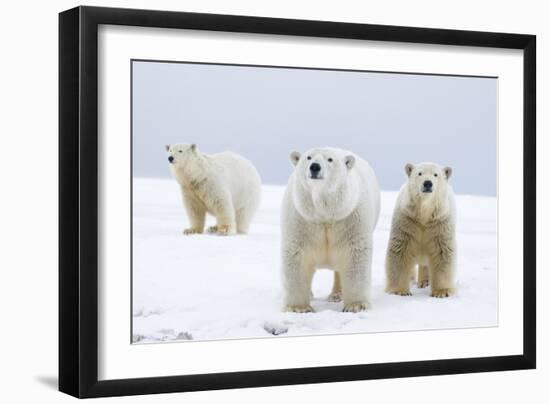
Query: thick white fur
(329,223)
(423,233)
(225,185)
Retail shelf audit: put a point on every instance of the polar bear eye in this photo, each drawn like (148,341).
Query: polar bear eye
(180,151)
(435,175)
(330,160)
(419,173)
(309,157)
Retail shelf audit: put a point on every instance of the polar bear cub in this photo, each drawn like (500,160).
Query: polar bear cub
(329,212)
(225,185)
(423,233)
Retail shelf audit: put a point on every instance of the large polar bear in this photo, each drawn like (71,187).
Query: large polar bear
(423,233)
(225,185)
(329,212)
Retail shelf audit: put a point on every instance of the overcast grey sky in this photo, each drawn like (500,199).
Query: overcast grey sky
(264,113)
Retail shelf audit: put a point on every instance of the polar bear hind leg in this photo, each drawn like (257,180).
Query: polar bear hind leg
(243,217)
(423,276)
(336,294)
(224,212)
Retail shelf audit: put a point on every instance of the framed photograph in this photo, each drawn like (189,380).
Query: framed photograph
(249,201)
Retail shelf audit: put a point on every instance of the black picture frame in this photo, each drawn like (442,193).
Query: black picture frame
(78,200)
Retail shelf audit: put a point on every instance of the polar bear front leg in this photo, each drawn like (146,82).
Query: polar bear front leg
(398,270)
(297,277)
(196,212)
(355,277)
(399,263)
(443,262)
(442,278)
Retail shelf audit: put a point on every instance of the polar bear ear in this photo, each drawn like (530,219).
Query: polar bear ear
(167,147)
(295,157)
(193,147)
(408,169)
(448,171)
(350,161)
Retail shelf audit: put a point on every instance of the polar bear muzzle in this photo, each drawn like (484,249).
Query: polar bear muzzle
(315,171)
(427,186)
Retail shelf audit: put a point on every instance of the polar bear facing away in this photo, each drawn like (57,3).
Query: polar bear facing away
(423,233)
(329,212)
(224,185)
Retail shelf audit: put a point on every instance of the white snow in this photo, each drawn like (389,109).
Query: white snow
(205,287)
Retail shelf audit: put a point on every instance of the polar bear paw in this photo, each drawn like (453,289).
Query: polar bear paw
(291,308)
(335,297)
(441,293)
(423,284)
(223,230)
(192,230)
(400,292)
(356,307)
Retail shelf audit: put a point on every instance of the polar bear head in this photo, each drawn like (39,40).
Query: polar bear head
(322,166)
(326,184)
(427,180)
(180,154)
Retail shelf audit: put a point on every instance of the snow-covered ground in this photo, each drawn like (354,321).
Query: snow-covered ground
(205,287)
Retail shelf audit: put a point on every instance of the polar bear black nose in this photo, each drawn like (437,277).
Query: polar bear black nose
(170,159)
(315,168)
(428,184)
